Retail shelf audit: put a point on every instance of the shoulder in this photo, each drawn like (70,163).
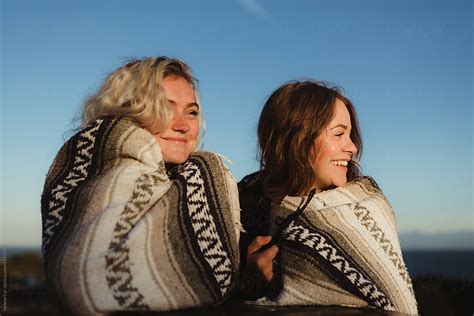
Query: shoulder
(208,162)
(250,181)
(209,165)
(370,185)
(250,189)
(207,156)
(255,205)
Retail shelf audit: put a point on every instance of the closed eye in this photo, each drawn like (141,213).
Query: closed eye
(193,113)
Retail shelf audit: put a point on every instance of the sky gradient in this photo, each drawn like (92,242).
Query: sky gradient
(406,65)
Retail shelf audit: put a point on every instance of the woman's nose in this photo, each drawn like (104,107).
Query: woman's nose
(179,123)
(350,147)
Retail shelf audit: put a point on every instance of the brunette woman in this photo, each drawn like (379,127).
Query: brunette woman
(317,231)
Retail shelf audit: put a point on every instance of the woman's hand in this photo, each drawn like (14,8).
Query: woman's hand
(261,262)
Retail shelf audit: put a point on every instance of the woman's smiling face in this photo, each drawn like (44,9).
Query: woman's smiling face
(179,138)
(334,149)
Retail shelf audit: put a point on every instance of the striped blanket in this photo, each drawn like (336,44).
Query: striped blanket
(120,232)
(344,250)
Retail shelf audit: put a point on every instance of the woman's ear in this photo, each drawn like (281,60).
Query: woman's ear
(313,151)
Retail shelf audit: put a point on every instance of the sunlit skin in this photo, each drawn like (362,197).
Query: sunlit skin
(179,138)
(333,145)
(261,261)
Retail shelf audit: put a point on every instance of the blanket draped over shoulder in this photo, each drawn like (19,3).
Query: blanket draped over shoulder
(344,250)
(122,233)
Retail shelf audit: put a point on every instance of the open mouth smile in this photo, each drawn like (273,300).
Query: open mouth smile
(343,163)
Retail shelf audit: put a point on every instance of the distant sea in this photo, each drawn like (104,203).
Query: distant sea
(19,250)
(457,264)
(449,263)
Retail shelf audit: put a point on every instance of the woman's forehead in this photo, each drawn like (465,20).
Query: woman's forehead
(341,115)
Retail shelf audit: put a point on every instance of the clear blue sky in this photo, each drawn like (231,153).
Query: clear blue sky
(407,65)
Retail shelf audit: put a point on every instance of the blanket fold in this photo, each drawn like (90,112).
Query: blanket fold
(344,250)
(120,232)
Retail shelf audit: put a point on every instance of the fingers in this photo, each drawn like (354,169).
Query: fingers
(264,262)
(258,243)
(268,273)
(267,255)
(261,261)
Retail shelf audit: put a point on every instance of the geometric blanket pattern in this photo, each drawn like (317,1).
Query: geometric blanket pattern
(344,250)
(120,232)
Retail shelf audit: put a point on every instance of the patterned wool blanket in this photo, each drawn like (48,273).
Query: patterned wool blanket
(344,250)
(120,232)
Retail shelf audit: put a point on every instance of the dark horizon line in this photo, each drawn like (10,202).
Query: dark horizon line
(416,248)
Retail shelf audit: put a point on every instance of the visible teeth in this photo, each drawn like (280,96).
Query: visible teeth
(339,163)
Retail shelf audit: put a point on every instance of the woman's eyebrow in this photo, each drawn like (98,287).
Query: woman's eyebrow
(192,104)
(339,125)
(187,105)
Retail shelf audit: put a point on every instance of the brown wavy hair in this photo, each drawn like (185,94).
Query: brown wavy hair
(291,119)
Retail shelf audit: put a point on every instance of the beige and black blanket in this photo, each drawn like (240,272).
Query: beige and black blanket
(120,232)
(344,250)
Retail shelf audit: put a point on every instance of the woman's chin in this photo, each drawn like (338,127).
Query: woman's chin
(175,158)
(339,183)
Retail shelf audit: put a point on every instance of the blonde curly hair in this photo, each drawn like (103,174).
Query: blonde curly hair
(135,90)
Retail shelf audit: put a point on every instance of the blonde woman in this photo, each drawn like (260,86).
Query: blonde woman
(133,217)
